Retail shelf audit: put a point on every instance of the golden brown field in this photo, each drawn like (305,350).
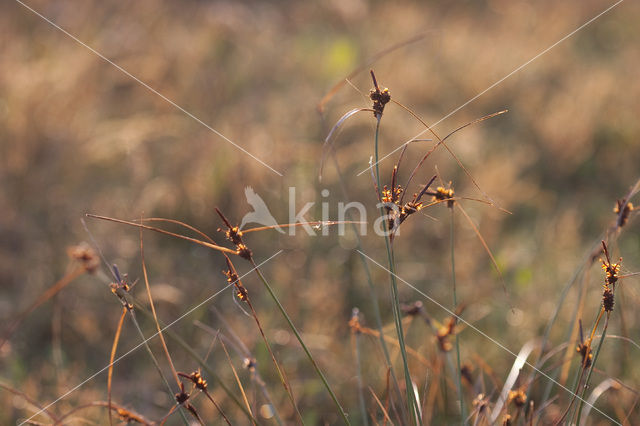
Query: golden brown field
(136,134)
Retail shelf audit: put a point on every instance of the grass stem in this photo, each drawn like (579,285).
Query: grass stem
(395,301)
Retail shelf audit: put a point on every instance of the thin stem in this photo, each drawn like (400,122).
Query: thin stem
(372,289)
(593,363)
(193,354)
(114,347)
(293,328)
(363,409)
(395,301)
(283,379)
(455,306)
(155,363)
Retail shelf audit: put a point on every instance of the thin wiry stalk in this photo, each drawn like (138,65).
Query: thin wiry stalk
(583,368)
(293,328)
(235,374)
(48,294)
(156,364)
(31,401)
(382,408)
(547,332)
(155,319)
(281,375)
(363,408)
(114,347)
(373,294)
(395,301)
(593,363)
(193,354)
(455,306)
(131,416)
(153,311)
(162,231)
(242,351)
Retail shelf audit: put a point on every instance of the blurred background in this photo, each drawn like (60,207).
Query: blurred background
(79,136)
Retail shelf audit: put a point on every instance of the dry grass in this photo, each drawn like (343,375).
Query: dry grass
(79,136)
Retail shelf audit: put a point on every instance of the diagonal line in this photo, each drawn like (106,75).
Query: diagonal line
(497,82)
(494,341)
(135,348)
(151,89)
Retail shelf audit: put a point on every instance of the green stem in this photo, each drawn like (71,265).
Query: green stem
(593,363)
(372,291)
(455,306)
(395,300)
(343,414)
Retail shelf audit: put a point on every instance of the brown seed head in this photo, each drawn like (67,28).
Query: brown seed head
(442,194)
(623,210)
(379,97)
(607,298)
(517,397)
(582,349)
(250,364)
(85,255)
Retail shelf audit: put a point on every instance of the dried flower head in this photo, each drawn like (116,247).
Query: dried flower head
(197,379)
(585,352)
(623,210)
(86,255)
(379,97)
(607,298)
(443,194)
(129,417)
(121,288)
(182,396)
(517,397)
(250,364)
(397,212)
(234,234)
(611,278)
(233,278)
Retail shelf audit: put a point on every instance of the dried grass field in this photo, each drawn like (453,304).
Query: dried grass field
(497,143)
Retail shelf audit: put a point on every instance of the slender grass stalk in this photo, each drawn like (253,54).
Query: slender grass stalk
(46,295)
(363,409)
(195,356)
(114,347)
(155,362)
(372,289)
(235,374)
(281,375)
(243,351)
(593,363)
(293,328)
(395,301)
(463,415)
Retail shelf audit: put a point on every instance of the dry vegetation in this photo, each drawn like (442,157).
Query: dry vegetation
(79,136)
